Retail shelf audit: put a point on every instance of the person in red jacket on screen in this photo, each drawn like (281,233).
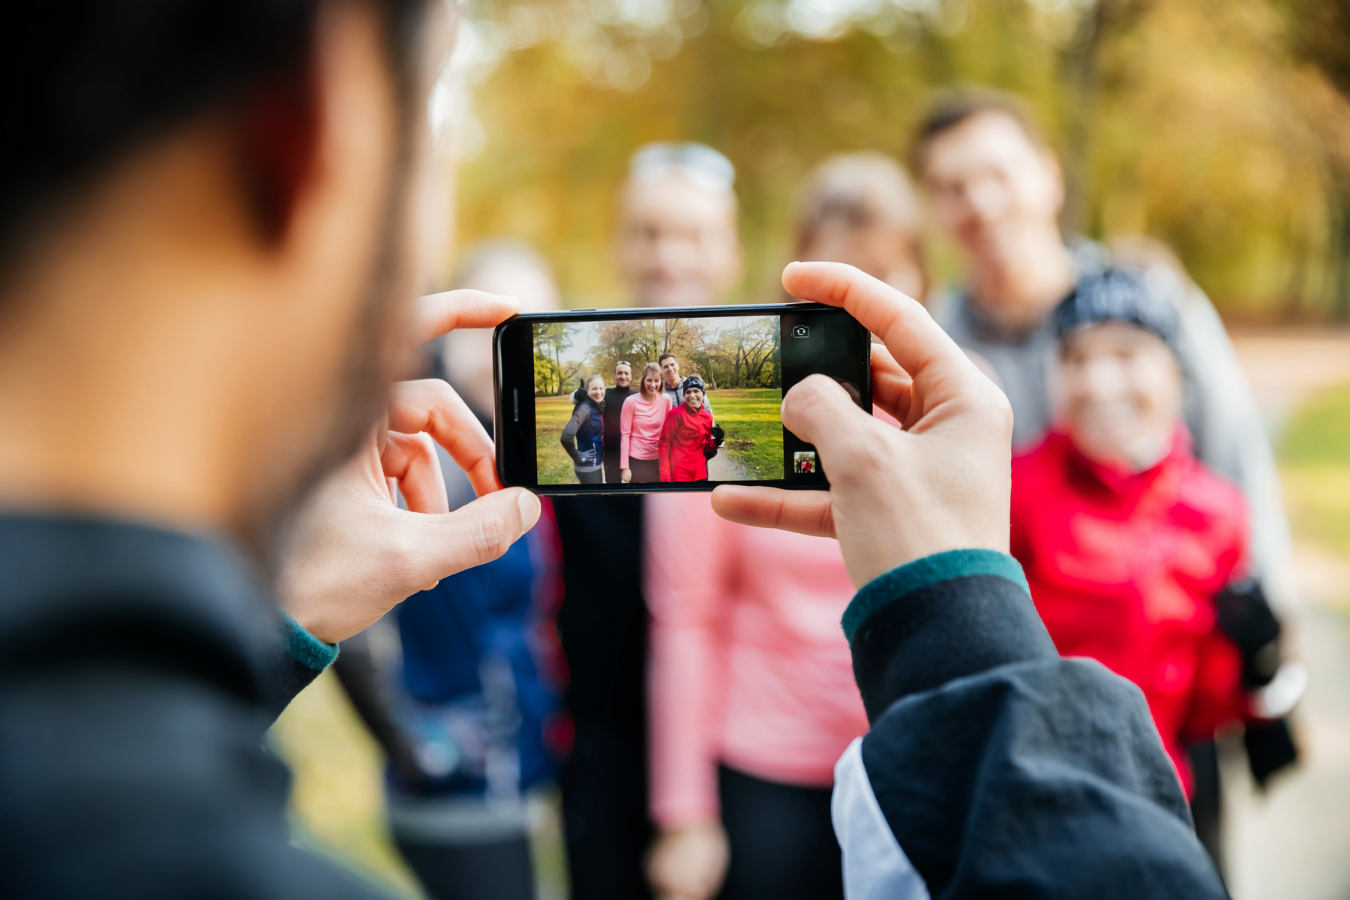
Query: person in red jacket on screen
(1126,538)
(686,435)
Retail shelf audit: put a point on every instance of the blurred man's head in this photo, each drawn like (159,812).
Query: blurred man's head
(623,375)
(677,240)
(498,267)
(1120,384)
(991,182)
(206,247)
(860,209)
(670,368)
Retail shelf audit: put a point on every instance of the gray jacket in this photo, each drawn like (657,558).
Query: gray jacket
(1221,410)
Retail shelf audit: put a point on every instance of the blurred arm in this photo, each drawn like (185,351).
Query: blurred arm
(689,603)
(369,690)
(1230,437)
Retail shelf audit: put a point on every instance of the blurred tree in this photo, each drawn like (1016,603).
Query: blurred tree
(1190,120)
(1321,36)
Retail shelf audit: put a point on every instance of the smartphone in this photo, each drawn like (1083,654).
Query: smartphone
(697,392)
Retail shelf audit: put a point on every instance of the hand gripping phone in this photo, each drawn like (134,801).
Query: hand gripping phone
(643,400)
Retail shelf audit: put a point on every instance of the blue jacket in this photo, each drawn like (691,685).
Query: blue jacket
(583,437)
(470,647)
(456,638)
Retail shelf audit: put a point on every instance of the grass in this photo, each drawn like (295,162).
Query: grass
(337,799)
(1315,471)
(751,419)
(550,417)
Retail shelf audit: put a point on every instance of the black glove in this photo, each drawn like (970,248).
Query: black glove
(1247,618)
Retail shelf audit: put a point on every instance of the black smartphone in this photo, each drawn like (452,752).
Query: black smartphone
(642,400)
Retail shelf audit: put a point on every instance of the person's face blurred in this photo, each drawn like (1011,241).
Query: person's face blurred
(467,353)
(623,376)
(671,369)
(693,398)
(883,253)
(992,189)
(595,389)
(1121,393)
(651,385)
(677,242)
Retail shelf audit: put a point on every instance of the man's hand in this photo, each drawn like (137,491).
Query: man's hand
(895,496)
(354,554)
(689,862)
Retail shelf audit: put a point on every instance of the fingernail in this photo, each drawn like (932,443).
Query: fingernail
(529,509)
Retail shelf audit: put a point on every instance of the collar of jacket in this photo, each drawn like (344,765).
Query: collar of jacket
(1161,480)
(77,585)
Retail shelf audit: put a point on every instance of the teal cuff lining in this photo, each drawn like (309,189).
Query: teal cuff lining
(922,573)
(304,647)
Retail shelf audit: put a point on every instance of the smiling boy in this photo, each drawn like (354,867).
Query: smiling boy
(1126,538)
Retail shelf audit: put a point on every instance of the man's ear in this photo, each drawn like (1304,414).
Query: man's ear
(276,136)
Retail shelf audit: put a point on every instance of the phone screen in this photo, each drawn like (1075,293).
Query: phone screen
(681,400)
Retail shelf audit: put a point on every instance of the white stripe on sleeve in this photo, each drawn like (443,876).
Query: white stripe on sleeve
(875,868)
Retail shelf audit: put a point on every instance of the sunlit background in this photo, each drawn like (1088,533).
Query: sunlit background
(1214,125)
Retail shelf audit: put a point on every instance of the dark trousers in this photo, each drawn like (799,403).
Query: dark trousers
(613,471)
(593,477)
(604,793)
(492,870)
(1207,800)
(645,470)
(782,840)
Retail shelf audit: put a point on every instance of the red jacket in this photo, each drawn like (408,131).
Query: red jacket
(1124,568)
(683,437)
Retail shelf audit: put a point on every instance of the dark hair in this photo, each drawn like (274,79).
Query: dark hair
(950,109)
(86,81)
(665,356)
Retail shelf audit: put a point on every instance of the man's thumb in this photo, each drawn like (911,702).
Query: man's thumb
(819,411)
(481,531)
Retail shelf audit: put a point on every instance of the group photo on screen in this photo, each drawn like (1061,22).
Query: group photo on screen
(658,400)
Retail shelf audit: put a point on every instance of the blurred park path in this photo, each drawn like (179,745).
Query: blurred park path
(1293,842)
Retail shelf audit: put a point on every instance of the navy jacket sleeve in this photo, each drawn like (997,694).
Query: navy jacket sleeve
(994,767)
(296,660)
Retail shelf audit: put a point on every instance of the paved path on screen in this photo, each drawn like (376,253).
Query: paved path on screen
(723,468)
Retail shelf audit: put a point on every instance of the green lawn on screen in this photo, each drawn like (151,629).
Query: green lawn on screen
(754,439)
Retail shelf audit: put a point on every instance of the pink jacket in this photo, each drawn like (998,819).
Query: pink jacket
(640,427)
(749,665)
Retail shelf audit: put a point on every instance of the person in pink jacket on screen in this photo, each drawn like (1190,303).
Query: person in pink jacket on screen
(640,422)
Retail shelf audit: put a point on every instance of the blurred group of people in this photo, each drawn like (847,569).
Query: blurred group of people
(704,691)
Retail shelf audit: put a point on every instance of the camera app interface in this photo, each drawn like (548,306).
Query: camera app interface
(684,399)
